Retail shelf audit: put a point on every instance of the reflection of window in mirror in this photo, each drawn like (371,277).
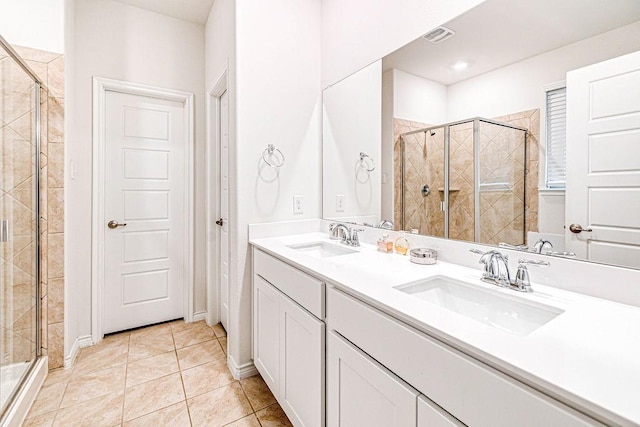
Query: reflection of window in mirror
(556,158)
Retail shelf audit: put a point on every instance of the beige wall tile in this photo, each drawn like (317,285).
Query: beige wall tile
(56,300)
(55,210)
(38,55)
(55,120)
(56,165)
(56,77)
(55,256)
(55,345)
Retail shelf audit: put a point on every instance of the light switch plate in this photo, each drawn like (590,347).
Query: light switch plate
(340,203)
(298,205)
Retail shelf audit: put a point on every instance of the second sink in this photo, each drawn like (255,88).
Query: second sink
(322,249)
(511,314)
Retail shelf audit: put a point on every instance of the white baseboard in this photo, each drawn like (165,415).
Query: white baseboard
(80,342)
(201,315)
(19,409)
(239,372)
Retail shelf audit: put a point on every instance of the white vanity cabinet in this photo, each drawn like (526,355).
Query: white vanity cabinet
(463,389)
(431,415)
(289,338)
(361,392)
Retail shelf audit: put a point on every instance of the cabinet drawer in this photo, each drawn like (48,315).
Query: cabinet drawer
(473,392)
(302,288)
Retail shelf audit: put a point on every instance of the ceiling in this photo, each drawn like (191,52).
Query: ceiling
(501,32)
(196,11)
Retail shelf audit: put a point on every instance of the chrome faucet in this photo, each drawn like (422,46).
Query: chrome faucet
(496,270)
(539,246)
(386,224)
(346,235)
(339,232)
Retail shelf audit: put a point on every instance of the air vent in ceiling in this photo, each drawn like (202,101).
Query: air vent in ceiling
(439,34)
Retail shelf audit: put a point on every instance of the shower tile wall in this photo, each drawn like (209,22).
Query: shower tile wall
(461,183)
(50,68)
(17,271)
(421,213)
(500,218)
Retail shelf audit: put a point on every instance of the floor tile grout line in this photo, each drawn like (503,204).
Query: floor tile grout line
(184,390)
(124,390)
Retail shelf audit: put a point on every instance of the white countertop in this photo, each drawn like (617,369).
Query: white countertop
(587,357)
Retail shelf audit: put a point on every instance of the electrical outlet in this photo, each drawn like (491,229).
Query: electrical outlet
(340,203)
(298,205)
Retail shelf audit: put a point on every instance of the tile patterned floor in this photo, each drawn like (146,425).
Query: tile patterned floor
(173,374)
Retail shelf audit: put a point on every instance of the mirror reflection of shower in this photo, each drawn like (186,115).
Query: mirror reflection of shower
(463,180)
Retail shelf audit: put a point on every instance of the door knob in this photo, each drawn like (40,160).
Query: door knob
(220,222)
(577,228)
(114,224)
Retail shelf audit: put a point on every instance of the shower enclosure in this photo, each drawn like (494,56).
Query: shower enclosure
(19,223)
(465,180)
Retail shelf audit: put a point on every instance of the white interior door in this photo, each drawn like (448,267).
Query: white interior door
(603,167)
(224,209)
(144,255)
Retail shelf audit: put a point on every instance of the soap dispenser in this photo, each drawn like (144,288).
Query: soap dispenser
(402,244)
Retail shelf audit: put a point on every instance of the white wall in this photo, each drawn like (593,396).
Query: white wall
(351,122)
(278,101)
(38,24)
(386,153)
(519,87)
(126,43)
(418,99)
(71,313)
(220,56)
(356,33)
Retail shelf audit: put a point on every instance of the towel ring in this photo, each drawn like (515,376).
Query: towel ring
(271,152)
(367,162)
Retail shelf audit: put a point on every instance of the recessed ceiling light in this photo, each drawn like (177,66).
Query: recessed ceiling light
(460,65)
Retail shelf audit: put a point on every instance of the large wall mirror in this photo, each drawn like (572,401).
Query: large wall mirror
(516,124)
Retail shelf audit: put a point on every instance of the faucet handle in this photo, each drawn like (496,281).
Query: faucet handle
(355,238)
(523,284)
(534,262)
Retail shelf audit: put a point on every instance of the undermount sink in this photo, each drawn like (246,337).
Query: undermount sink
(322,249)
(508,313)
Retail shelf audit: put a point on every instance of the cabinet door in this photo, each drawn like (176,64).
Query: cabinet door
(301,365)
(361,392)
(431,415)
(266,331)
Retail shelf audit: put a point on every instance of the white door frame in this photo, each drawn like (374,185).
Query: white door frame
(100,88)
(214,93)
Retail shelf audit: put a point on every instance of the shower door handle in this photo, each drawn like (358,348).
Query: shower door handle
(4,231)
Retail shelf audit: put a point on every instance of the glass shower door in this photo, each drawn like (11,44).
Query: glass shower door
(423,179)
(19,228)
(502,184)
